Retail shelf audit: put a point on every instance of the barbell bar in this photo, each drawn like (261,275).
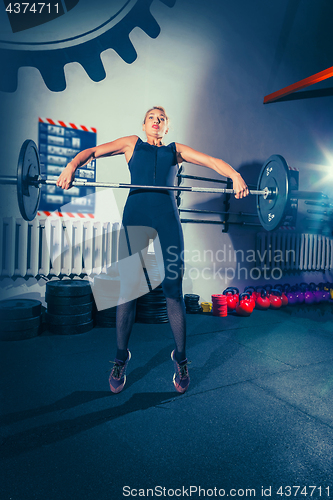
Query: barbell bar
(274,194)
(82,183)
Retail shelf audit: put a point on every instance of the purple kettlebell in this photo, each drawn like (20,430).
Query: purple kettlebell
(291,295)
(299,294)
(316,292)
(309,297)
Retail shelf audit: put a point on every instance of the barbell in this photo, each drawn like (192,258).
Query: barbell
(275,194)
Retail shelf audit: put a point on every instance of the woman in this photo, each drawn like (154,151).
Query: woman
(152,212)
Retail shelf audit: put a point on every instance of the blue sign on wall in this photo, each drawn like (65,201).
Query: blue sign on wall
(59,142)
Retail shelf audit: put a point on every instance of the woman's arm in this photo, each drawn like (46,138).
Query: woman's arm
(190,155)
(124,145)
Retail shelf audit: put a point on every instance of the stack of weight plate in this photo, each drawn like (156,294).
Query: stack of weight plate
(151,308)
(192,303)
(69,306)
(106,290)
(20,319)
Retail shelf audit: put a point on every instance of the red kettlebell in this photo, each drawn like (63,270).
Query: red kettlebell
(236,292)
(275,299)
(252,295)
(251,289)
(284,297)
(268,289)
(231,298)
(244,306)
(262,301)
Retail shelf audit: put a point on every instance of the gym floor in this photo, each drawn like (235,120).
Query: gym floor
(258,413)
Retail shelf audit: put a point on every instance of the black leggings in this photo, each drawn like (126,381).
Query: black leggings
(151,215)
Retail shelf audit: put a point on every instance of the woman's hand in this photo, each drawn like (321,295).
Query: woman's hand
(66,177)
(239,186)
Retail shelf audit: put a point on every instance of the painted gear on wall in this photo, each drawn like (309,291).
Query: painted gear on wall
(79,36)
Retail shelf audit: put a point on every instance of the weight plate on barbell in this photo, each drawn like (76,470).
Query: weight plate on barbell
(28,195)
(275,176)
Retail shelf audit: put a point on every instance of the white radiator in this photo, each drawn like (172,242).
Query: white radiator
(55,246)
(289,250)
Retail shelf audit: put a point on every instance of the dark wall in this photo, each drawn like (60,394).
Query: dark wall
(262,47)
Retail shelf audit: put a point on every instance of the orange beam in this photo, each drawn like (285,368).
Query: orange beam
(318,77)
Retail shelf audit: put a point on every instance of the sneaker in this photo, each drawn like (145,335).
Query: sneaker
(117,377)
(181,378)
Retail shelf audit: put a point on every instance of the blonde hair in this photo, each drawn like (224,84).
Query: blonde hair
(160,108)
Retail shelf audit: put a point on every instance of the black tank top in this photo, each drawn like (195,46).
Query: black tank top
(153,165)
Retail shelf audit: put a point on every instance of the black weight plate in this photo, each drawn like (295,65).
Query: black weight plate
(69,310)
(151,299)
(28,195)
(151,314)
(148,303)
(153,317)
(274,175)
(70,301)
(19,309)
(68,288)
(147,308)
(76,319)
(71,329)
(151,321)
(20,324)
(21,334)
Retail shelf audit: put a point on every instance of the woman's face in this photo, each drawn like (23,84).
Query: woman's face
(156,124)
